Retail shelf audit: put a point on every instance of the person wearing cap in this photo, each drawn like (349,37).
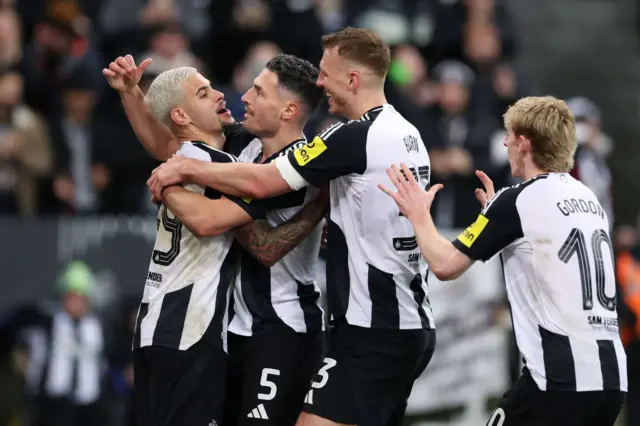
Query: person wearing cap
(65,371)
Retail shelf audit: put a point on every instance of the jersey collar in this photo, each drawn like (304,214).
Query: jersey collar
(371,114)
(279,153)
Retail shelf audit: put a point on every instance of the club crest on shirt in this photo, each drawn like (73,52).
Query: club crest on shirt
(309,151)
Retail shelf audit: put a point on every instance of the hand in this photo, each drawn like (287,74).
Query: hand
(64,188)
(484,195)
(123,74)
(167,174)
(460,161)
(11,144)
(413,200)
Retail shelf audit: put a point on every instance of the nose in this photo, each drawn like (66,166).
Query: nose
(320,82)
(218,96)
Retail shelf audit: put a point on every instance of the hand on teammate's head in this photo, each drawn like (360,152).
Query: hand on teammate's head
(413,200)
(123,74)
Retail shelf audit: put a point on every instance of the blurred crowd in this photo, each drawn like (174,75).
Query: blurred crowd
(66,146)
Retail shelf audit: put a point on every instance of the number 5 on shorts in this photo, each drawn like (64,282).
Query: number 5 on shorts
(329,363)
(265,382)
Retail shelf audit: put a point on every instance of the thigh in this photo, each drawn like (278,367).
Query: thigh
(279,367)
(383,364)
(609,410)
(141,377)
(330,397)
(519,406)
(235,377)
(187,387)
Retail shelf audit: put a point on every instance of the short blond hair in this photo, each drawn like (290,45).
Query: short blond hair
(166,92)
(549,124)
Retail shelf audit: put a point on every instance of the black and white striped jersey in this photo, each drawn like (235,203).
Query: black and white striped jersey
(553,236)
(376,276)
(285,294)
(187,287)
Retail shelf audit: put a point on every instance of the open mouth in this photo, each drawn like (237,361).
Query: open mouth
(223,109)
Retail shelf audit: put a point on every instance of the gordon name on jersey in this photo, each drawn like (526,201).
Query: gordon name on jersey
(557,256)
(186,285)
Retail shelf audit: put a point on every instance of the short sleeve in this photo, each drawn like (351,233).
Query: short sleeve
(257,209)
(497,226)
(338,151)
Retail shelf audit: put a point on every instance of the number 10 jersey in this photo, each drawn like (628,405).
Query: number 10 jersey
(186,292)
(557,257)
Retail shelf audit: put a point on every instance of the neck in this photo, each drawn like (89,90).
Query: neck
(531,171)
(214,140)
(365,101)
(277,142)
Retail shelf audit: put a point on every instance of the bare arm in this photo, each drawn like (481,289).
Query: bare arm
(444,260)
(204,217)
(238,179)
(156,138)
(268,245)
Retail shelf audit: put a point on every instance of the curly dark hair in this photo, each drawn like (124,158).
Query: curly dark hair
(299,77)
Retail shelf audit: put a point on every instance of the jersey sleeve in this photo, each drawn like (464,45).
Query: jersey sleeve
(497,226)
(338,151)
(257,209)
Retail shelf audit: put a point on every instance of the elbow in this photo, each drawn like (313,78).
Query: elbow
(444,272)
(202,227)
(268,262)
(257,189)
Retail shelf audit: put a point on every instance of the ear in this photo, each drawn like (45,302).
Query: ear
(179,117)
(354,80)
(524,144)
(290,111)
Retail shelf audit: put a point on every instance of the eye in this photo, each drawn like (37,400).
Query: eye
(203,95)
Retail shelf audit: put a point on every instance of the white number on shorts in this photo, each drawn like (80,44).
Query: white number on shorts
(329,363)
(265,382)
(497,418)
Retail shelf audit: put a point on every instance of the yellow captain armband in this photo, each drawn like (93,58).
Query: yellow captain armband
(471,234)
(308,152)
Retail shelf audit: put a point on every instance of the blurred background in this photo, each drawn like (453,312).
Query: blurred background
(77,226)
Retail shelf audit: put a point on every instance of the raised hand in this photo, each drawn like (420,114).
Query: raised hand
(123,74)
(413,200)
(484,195)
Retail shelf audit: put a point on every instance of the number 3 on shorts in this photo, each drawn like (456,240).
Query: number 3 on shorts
(497,418)
(329,363)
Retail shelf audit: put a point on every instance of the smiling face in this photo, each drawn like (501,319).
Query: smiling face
(201,105)
(335,80)
(264,105)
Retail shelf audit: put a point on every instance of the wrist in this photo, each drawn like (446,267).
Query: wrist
(422,223)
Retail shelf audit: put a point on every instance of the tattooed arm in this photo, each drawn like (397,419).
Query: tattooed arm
(268,245)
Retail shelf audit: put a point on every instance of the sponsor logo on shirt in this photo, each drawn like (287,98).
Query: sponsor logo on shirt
(309,151)
(471,234)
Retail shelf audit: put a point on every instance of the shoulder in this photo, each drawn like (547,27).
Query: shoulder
(507,199)
(237,138)
(350,130)
(204,152)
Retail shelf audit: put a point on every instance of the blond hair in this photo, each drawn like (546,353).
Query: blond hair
(166,92)
(549,125)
